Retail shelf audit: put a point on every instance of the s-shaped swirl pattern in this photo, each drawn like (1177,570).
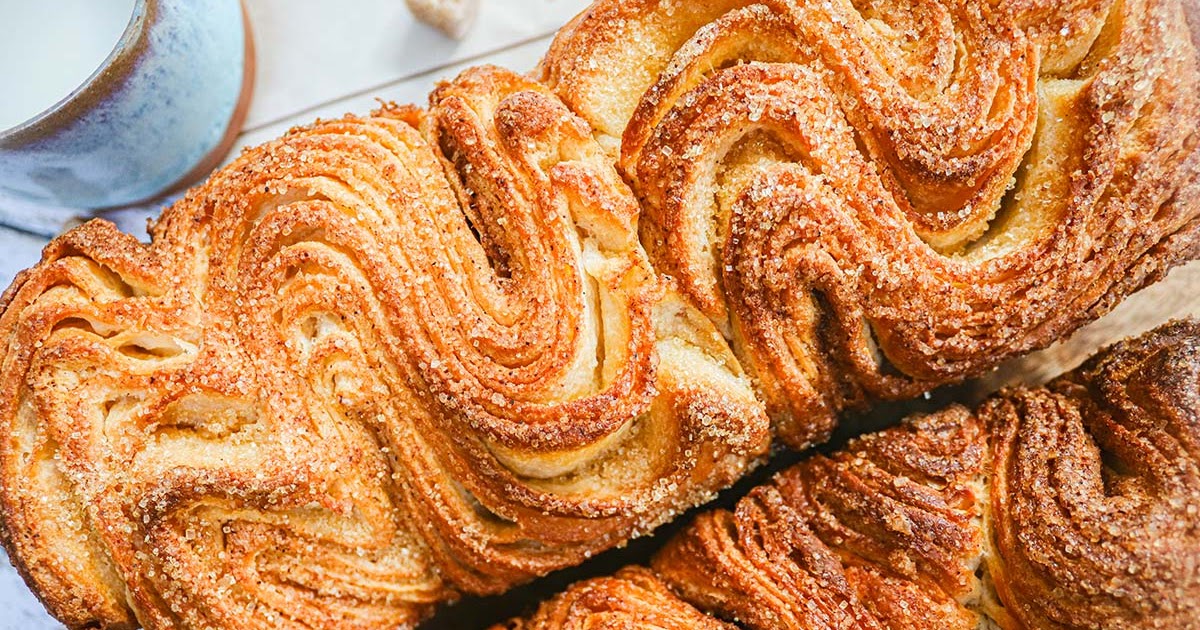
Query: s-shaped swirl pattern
(387,360)
(874,197)
(369,366)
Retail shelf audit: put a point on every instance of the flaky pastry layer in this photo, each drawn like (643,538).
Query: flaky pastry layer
(367,367)
(1076,505)
(873,198)
(388,360)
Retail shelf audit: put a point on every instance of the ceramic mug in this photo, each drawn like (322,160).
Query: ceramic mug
(161,111)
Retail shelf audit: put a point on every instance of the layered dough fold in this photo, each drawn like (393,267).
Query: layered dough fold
(1076,505)
(367,367)
(874,197)
(388,360)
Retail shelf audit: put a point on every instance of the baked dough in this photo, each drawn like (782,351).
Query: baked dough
(367,367)
(873,198)
(1076,505)
(384,361)
(633,598)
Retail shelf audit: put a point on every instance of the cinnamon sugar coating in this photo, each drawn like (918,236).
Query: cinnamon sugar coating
(631,599)
(1095,487)
(367,367)
(873,198)
(1076,505)
(388,360)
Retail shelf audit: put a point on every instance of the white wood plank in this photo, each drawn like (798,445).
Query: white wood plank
(312,52)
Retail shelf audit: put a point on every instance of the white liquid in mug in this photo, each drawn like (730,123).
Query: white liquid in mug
(50,47)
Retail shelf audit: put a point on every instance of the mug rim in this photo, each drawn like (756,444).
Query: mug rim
(102,80)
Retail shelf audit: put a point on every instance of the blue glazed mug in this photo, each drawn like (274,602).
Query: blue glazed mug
(161,111)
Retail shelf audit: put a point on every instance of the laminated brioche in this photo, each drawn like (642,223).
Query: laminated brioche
(389,360)
(367,367)
(871,199)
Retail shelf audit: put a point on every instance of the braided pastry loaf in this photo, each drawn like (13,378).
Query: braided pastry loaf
(1076,505)
(387,360)
(874,197)
(366,367)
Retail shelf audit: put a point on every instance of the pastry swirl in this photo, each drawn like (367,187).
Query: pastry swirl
(366,367)
(1095,488)
(1076,505)
(387,360)
(874,198)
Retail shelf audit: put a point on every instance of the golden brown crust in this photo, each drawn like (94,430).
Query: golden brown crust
(387,360)
(875,198)
(1096,490)
(632,599)
(367,367)
(1071,506)
(884,534)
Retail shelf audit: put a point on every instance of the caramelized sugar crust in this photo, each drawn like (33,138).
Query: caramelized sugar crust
(387,360)
(1076,505)
(367,367)
(631,599)
(874,197)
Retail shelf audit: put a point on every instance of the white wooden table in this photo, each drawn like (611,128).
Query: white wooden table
(322,58)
